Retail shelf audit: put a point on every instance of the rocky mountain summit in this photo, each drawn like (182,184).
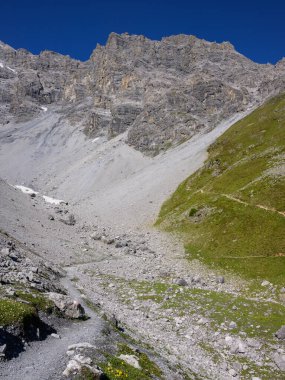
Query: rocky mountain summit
(160,92)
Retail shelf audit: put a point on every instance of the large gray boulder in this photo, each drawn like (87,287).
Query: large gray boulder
(69,307)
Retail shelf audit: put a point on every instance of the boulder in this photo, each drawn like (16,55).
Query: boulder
(131,360)
(220,280)
(279,360)
(70,221)
(121,244)
(232,325)
(96,236)
(70,308)
(280,334)
(181,282)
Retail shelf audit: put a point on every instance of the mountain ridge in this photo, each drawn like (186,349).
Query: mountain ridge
(160,92)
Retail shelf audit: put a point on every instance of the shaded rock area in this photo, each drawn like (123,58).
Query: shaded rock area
(160,92)
(18,269)
(32,302)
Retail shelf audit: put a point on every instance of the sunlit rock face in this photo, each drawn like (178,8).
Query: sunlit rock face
(160,92)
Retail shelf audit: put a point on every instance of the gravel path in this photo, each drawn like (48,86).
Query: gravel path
(47,359)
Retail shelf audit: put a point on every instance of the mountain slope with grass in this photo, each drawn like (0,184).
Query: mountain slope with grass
(231,212)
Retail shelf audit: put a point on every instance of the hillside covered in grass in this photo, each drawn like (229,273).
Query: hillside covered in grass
(231,212)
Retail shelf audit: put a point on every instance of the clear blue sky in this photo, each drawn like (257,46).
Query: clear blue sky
(255,27)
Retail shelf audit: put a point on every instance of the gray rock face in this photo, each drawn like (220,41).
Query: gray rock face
(16,268)
(160,92)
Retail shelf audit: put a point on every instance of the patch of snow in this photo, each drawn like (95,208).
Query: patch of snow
(53,200)
(44,108)
(26,190)
(14,71)
(9,68)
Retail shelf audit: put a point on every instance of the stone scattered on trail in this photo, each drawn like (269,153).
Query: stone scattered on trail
(96,236)
(70,308)
(70,221)
(203,321)
(196,280)
(251,342)
(56,336)
(233,372)
(107,240)
(266,283)
(121,244)
(131,360)
(279,360)
(220,280)
(228,340)
(232,325)
(281,333)
(51,217)
(79,361)
(241,348)
(236,346)
(181,282)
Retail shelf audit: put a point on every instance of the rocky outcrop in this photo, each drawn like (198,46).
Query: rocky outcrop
(18,269)
(160,92)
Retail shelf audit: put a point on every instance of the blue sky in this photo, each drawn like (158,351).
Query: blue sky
(255,28)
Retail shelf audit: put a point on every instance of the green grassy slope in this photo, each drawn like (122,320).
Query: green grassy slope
(231,212)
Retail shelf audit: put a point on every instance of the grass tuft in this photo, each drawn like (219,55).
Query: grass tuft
(13,312)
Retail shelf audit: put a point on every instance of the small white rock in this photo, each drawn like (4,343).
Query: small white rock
(55,336)
(241,348)
(232,372)
(131,360)
(265,283)
(232,325)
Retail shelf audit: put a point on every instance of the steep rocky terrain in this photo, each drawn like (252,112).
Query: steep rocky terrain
(161,92)
(77,213)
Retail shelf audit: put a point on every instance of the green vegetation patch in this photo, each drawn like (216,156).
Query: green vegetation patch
(13,312)
(36,299)
(116,368)
(243,185)
(256,317)
(85,374)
